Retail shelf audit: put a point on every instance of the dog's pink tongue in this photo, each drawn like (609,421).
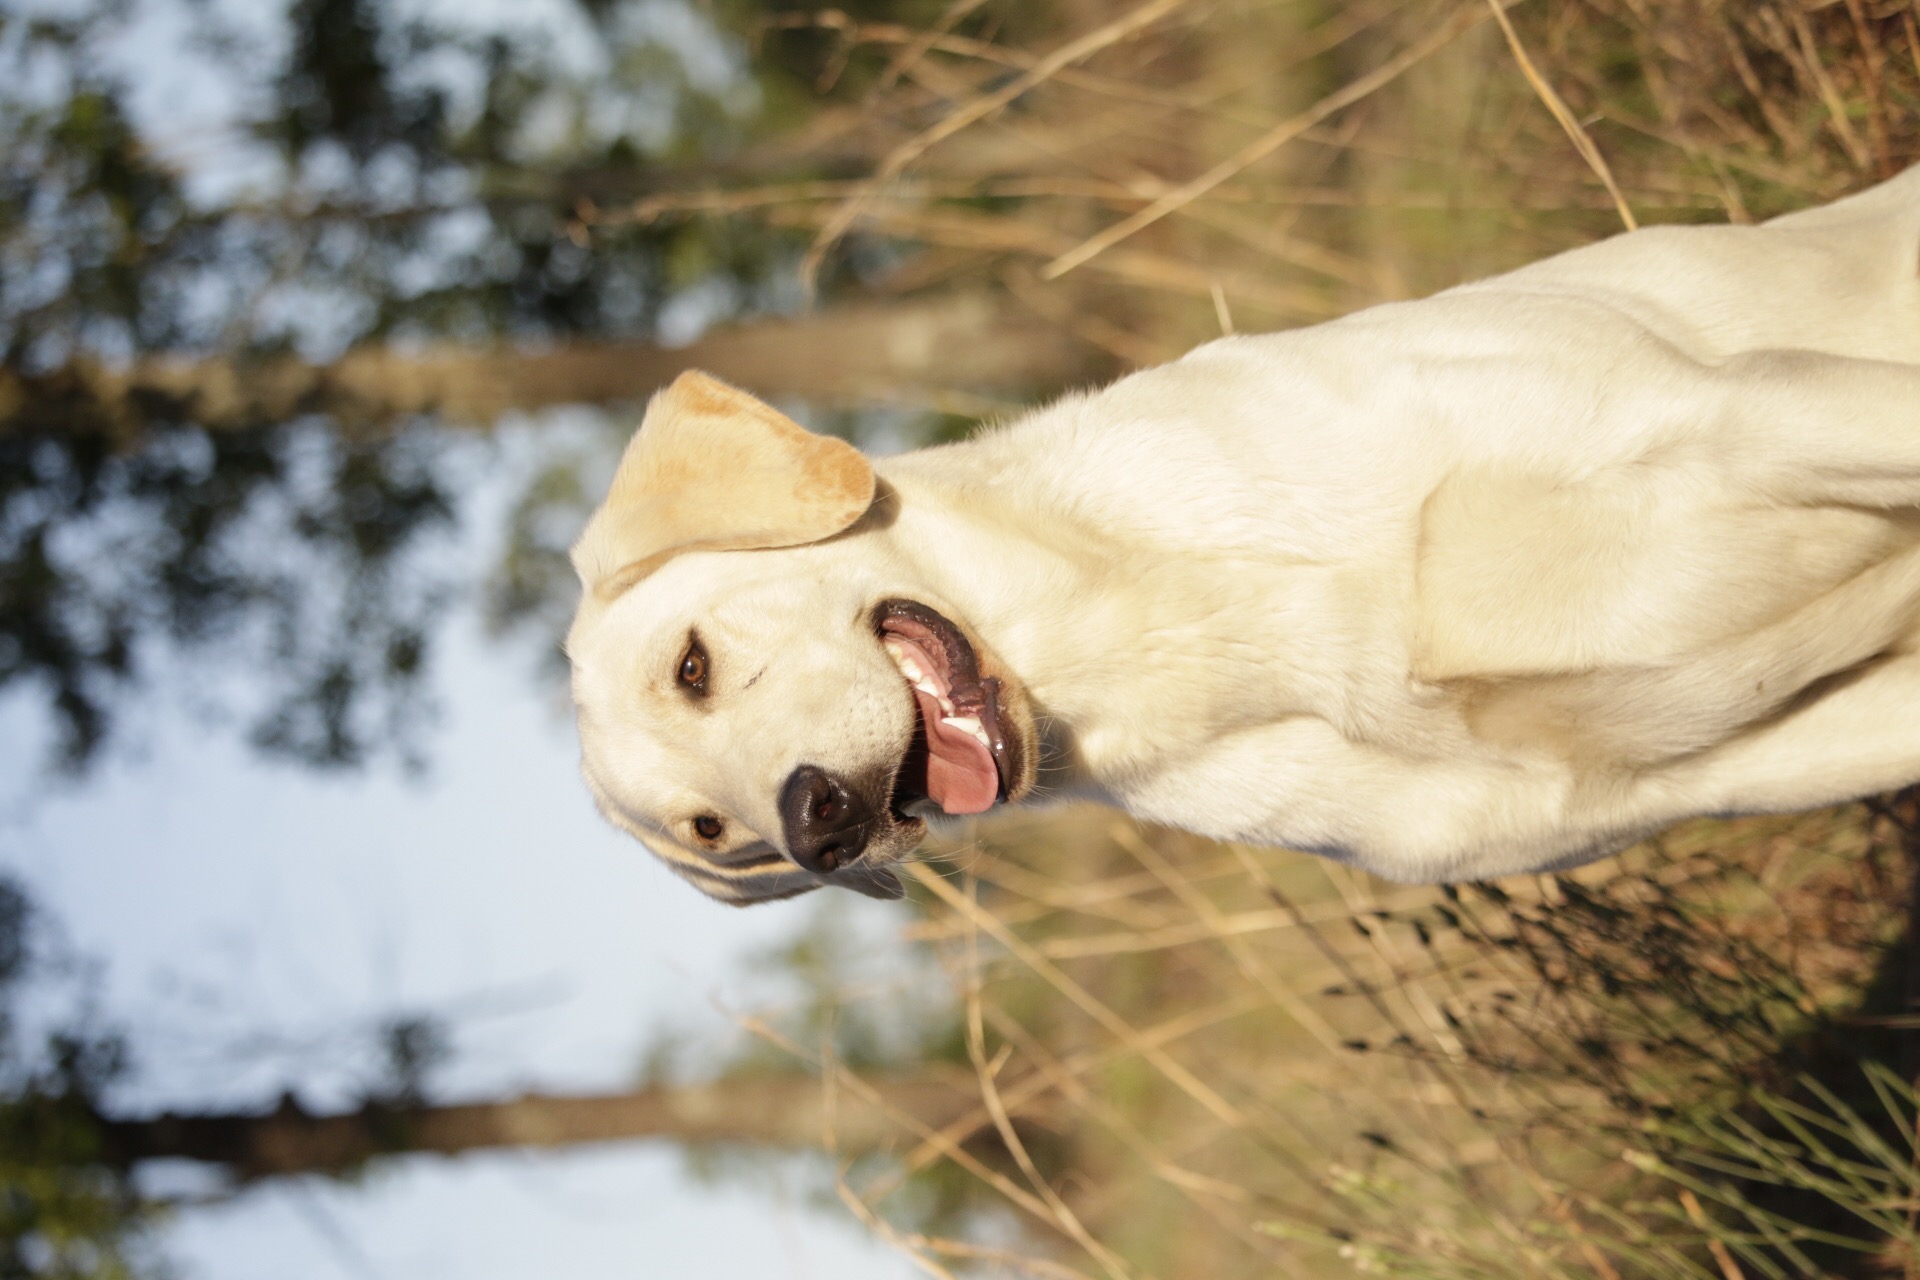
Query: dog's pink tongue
(961,777)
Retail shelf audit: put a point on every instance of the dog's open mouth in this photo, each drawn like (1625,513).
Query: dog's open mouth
(959,757)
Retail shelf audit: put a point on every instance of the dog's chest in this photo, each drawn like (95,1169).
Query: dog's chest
(1168,572)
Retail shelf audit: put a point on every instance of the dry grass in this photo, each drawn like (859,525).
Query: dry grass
(1194,1060)
(1205,1061)
(1299,159)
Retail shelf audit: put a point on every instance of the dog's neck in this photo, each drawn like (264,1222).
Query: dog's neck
(1096,617)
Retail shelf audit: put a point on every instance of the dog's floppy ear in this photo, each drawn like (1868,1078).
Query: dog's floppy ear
(714,469)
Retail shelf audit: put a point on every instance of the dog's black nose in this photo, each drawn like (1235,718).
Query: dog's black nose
(826,822)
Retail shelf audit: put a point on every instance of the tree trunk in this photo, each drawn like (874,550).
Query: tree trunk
(850,353)
(778,1111)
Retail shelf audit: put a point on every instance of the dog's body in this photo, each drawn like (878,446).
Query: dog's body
(1495,581)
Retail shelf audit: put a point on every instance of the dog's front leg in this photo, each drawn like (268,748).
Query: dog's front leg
(1300,784)
(1858,737)
(1816,429)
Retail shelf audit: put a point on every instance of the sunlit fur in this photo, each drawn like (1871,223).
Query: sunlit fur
(1491,582)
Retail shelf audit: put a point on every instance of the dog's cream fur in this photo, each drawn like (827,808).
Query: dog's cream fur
(1496,581)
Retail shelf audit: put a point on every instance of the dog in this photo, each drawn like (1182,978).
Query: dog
(1497,581)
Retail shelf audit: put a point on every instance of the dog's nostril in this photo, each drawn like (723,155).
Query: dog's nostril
(826,823)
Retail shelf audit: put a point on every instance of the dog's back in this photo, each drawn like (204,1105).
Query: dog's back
(1842,278)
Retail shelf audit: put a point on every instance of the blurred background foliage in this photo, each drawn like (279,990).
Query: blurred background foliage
(233,400)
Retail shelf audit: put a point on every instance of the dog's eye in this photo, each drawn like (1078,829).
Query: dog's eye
(693,667)
(708,827)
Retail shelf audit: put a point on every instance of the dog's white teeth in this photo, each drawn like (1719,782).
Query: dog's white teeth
(969,724)
(903,660)
(919,679)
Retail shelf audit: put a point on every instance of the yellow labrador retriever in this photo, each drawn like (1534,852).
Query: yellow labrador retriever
(1496,581)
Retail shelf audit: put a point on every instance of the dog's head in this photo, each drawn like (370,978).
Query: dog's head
(766,697)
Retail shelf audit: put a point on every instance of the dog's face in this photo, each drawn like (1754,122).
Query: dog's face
(786,710)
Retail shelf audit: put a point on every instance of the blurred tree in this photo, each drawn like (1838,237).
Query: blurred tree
(119,530)
(63,1212)
(962,342)
(788,1111)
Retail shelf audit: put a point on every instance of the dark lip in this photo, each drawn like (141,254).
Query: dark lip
(970,692)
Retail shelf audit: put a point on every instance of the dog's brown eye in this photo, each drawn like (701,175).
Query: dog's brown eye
(693,668)
(708,827)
